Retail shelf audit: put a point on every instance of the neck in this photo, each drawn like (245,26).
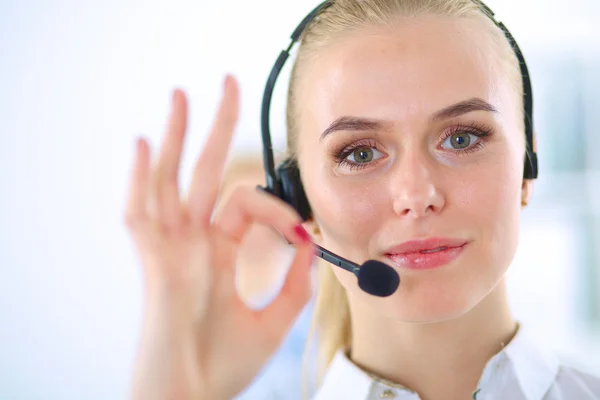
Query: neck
(442,360)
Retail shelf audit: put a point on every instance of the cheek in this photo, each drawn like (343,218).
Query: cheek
(486,197)
(490,197)
(488,203)
(348,212)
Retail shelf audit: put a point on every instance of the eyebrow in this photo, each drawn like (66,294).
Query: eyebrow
(356,124)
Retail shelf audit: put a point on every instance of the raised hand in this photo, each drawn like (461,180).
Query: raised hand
(199,340)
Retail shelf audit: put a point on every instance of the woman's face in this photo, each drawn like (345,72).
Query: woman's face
(395,167)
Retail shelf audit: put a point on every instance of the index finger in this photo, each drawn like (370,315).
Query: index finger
(208,171)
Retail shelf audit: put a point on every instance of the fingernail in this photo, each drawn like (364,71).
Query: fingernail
(302,234)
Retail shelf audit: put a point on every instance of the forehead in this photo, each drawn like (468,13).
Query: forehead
(411,70)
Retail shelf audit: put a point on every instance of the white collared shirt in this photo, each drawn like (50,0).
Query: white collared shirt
(521,371)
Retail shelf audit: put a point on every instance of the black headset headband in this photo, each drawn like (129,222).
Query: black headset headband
(284,182)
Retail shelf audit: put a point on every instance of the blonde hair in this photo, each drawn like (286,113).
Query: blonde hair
(331,321)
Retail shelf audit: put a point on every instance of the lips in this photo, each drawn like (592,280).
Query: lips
(426,246)
(434,250)
(426,254)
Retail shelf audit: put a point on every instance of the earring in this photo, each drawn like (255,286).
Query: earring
(524,203)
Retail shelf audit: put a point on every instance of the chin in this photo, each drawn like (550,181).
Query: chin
(424,301)
(421,307)
(430,313)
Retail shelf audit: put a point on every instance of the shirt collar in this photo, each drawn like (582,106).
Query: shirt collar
(344,380)
(534,370)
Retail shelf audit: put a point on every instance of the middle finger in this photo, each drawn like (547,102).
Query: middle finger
(208,171)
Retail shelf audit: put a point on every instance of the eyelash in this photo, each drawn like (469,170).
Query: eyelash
(341,156)
(479,130)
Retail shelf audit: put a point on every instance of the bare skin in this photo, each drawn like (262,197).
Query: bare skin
(199,340)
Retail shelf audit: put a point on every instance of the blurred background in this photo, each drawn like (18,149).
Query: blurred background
(80,79)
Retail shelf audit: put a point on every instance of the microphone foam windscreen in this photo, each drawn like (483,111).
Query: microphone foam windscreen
(378,279)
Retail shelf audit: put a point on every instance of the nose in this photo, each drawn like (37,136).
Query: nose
(415,191)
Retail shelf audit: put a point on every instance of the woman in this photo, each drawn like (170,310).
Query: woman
(389,176)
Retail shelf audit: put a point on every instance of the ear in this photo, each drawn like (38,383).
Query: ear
(527,186)
(526,190)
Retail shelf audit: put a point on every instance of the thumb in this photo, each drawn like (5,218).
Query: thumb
(294,295)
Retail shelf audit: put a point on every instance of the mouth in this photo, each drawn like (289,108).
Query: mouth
(426,254)
(434,250)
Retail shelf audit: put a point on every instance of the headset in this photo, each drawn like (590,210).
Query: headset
(284,181)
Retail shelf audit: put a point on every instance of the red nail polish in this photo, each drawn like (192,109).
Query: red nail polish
(301,232)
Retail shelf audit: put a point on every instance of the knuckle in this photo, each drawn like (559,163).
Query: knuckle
(278,205)
(241,192)
(247,200)
(240,197)
(173,226)
(158,177)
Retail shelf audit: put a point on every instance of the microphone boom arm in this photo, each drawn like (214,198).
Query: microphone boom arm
(337,260)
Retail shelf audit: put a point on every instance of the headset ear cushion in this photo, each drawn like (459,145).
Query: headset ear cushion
(531,166)
(292,190)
